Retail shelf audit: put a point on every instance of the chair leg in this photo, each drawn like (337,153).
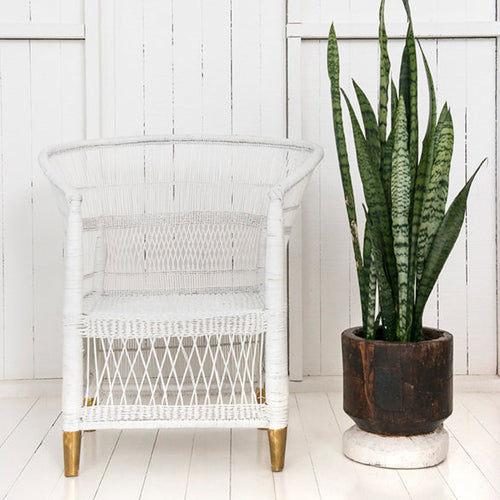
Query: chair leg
(71,445)
(277,446)
(89,402)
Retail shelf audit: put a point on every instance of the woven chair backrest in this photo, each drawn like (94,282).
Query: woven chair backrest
(177,216)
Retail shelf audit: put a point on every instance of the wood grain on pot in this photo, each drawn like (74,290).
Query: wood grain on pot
(394,388)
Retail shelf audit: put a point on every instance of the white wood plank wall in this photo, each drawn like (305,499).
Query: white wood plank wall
(465,299)
(41,102)
(177,66)
(219,66)
(214,66)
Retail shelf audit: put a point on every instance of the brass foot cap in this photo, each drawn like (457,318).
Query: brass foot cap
(277,446)
(71,444)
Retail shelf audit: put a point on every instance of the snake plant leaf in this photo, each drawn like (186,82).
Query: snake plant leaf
(365,272)
(370,123)
(440,249)
(386,170)
(372,184)
(422,176)
(386,166)
(394,102)
(385,68)
(371,324)
(406,4)
(374,196)
(401,201)
(343,159)
(388,312)
(408,88)
(436,194)
(427,157)
(408,233)
(371,280)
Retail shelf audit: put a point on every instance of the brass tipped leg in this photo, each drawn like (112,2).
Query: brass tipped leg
(277,445)
(260,392)
(71,444)
(89,402)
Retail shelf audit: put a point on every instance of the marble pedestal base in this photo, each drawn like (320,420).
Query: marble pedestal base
(399,452)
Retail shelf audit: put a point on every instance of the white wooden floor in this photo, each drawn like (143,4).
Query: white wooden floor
(223,464)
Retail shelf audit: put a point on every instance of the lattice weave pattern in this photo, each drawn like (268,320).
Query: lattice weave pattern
(175,278)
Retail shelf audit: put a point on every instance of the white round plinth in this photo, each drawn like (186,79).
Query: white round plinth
(399,452)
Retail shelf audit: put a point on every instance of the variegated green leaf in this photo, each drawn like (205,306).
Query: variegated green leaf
(436,194)
(386,166)
(406,4)
(394,103)
(385,68)
(408,87)
(408,236)
(371,280)
(375,198)
(401,198)
(387,301)
(386,170)
(423,173)
(440,249)
(343,159)
(370,123)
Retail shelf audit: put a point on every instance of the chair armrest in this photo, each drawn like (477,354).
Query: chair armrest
(299,175)
(70,193)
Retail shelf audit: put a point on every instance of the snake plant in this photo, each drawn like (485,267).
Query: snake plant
(409,234)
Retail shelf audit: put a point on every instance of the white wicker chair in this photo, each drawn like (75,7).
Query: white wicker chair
(174,306)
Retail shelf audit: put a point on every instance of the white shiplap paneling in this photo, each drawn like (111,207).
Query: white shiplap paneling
(219,67)
(17,223)
(41,102)
(211,66)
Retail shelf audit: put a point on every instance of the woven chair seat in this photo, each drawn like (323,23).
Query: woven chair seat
(137,316)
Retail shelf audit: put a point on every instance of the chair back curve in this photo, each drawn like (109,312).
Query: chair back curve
(183,214)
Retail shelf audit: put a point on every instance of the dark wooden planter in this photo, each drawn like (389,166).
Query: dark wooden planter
(395,388)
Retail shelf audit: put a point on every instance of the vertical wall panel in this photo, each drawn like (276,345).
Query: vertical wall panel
(46,93)
(17,216)
(213,67)
(41,103)
(57,115)
(246,74)
(188,91)
(50,11)
(15,12)
(311,219)
(216,66)
(108,68)
(451,79)
(158,69)
(273,65)
(129,67)
(481,218)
